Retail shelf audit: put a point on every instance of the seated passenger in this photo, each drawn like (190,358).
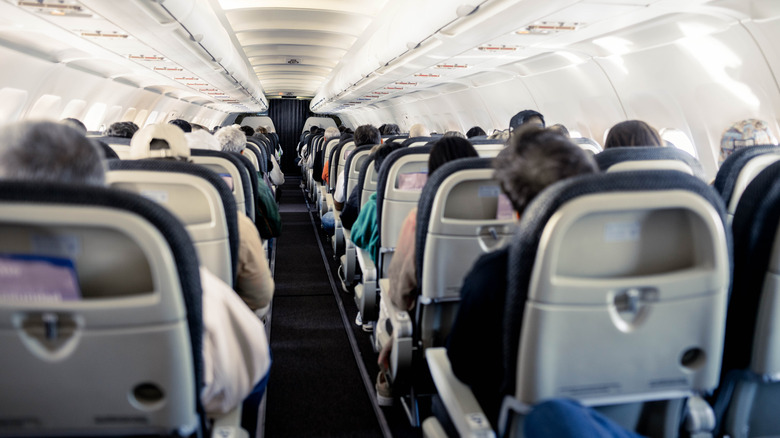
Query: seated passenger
(418,130)
(632,133)
(560,129)
(563,418)
(235,350)
(475,131)
(364,135)
(122,129)
(454,134)
(328,137)
(254,283)
(534,159)
(390,129)
(402,273)
(526,118)
(745,133)
(182,124)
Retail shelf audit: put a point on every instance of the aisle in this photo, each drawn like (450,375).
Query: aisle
(315,387)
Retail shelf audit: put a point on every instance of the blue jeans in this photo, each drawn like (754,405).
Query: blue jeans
(329,223)
(563,418)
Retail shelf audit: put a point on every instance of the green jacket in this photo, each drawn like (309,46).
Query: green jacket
(365,232)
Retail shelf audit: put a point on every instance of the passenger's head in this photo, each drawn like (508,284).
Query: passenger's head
(182,124)
(560,129)
(526,118)
(231,138)
(75,124)
(248,131)
(331,132)
(745,133)
(447,149)
(418,130)
(632,133)
(49,151)
(159,141)
(379,154)
(342,128)
(261,130)
(536,158)
(390,129)
(454,134)
(367,134)
(122,129)
(476,131)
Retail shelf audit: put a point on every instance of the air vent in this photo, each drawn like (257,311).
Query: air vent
(495,49)
(55,8)
(99,34)
(294,61)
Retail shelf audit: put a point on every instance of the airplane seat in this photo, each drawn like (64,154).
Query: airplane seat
(108,152)
(249,155)
(354,165)
(488,148)
(461,215)
(333,159)
(588,144)
(352,170)
(88,359)
(420,141)
(648,158)
(248,173)
(342,154)
(259,151)
(198,197)
(399,184)
(120,145)
(746,405)
(619,282)
(739,169)
(233,171)
(393,138)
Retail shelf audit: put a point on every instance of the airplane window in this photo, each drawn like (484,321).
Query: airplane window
(47,106)
(74,108)
(152,118)
(11,102)
(679,140)
(95,116)
(112,115)
(129,114)
(574,134)
(140,118)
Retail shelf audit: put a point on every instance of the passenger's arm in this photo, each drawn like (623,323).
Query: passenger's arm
(235,349)
(402,271)
(339,195)
(254,283)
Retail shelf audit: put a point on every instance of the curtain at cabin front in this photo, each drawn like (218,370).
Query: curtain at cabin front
(289,117)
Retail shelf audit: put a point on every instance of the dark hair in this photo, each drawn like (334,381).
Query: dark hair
(560,129)
(380,154)
(475,132)
(382,128)
(183,124)
(447,149)
(523,117)
(632,133)
(122,129)
(76,124)
(535,159)
(390,129)
(248,131)
(367,134)
(342,128)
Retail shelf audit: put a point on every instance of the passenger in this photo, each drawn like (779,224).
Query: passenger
(364,135)
(402,273)
(749,132)
(499,135)
(329,135)
(122,129)
(418,130)
(254,283)
(183,124)
(261,130)
(632,133)
(235,350)
(526,118)
(560,129)
(563,418)
(76,124)
(534,159)
(457,134)
(390,129)
(248,131)
(475,131)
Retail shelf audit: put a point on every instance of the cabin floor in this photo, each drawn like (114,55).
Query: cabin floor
(324,368)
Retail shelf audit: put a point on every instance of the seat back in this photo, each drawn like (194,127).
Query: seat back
(395,199)
(227,165)
(587,144)
(419,141)
(461,215)
(333,161)
(354,164)
(260,153)
(250,155)
(120,145)
(488,148)
(124,357)
(198,197)
(619,282)
(248,173)
(648,158)
(752,330)
(343,154)
(739,169)
(368,177)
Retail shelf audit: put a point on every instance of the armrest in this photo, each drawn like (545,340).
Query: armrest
(367,265)
(229,425)
(432,428)
(462,406)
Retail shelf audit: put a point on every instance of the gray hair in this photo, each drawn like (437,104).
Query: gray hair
(231,138)
(332,132)
(418,130)
(49,151)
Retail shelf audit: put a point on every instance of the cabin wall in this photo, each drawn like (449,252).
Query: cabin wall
(35,88)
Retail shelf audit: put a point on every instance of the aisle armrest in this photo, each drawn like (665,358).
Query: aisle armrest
(366,291)
(229,425)
(462,406)
(400,335)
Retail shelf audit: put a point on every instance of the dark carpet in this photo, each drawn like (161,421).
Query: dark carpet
(315,388)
